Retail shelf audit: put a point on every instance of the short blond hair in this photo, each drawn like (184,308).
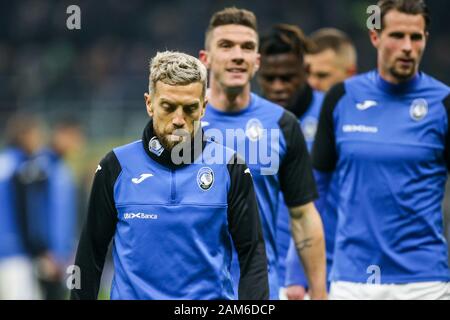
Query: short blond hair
(176,69)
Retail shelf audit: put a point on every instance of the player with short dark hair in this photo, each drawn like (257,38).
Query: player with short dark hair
(385,134)
(282,78)
(268,137)
(227,16)
(331,59)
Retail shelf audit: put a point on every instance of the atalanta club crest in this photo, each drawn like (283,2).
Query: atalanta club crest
(155,146)
(419,109)
(254,129)
(205,178)
(309,127)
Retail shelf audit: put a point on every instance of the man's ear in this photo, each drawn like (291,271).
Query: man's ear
(204,57)
(307,68)
(148,104)
(205,102)
(351,71)
(374,36)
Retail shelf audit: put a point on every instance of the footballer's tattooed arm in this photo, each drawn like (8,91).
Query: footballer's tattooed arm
(307,231)
(299,191)
(304,244)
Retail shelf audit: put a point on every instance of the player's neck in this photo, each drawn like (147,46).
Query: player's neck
(400,86)
(390,78)
(229,100)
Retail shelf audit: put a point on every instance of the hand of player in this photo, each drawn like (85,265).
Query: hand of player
(48,267)
(295,292)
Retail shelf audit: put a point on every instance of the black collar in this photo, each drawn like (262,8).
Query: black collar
(302,102)
(163,156)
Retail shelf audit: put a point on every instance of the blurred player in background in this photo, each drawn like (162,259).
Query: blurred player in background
(59,210)
(231,55)
(328,44)
(282,78)
(19,244)
(385,134)
(332,58)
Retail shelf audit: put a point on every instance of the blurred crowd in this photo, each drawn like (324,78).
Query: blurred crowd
(101,70)
(39,207)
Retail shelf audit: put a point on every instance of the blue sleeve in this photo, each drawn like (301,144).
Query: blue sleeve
(447,137)
(295,274)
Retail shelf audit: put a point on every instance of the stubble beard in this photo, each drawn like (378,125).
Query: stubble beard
(402,75)
(169,144)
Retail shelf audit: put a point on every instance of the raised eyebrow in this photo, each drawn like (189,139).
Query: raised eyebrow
(267,76)
(289,74)
(191,105)
(246,43)
(169,102)
(322,74)
(397,33)
(220,41)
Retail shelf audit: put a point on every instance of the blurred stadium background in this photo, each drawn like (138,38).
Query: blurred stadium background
(99,73)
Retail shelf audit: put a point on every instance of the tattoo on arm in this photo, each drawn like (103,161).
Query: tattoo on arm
(304,244)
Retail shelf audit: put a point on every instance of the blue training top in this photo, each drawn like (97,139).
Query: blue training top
(270,140)
(389,146)
(172,224)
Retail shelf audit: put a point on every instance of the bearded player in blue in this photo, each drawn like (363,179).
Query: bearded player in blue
(171,209)
(268,137)
(386,135)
